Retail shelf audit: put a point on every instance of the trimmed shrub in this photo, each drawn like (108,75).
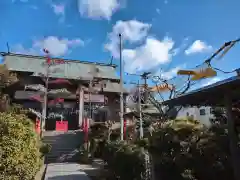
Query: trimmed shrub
(124,161)
(187,150)
(19,148)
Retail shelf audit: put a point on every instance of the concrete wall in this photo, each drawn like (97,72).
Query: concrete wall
(194,112)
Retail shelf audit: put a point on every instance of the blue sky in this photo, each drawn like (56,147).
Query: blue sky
(157,34)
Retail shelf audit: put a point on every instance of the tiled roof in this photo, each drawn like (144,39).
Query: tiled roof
(71,69)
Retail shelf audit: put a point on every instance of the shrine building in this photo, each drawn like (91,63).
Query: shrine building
(69,88)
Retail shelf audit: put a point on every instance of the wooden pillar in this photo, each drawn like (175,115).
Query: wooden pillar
(233,137)
(81,106)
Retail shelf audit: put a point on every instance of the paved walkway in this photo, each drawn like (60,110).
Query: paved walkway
(65,171)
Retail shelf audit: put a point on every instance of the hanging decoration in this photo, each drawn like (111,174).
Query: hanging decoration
(35,87)
(161,88)
(209,71)
(59,92)
(202,73)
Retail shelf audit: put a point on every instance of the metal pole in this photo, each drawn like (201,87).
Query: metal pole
(81,105)
(121,85)
(89,99)
(145,90)
(44,108)
(140,111)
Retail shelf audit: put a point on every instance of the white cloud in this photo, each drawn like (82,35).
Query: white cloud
(149,55)
(98,9)
(20,49)
(172,72)
(212,81)
(55,45)
(132,31)
(198,46)
(59,9)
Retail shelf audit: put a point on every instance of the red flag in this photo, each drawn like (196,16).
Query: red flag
(125,129)
(86,126)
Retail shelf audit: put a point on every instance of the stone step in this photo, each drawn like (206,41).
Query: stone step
(64,145)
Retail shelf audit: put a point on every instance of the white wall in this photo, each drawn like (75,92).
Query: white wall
(195,113)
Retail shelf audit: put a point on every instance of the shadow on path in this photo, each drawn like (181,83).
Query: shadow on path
(69,177)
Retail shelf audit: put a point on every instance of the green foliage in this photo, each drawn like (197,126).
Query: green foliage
(45,149)
(219,116)
(98,136)
(185,149)
(19,150)
(181,150)
(125,161)
(146,123)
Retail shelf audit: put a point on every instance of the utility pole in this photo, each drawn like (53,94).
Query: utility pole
(89,99)
(140,111)
(45,95)
(121,85)
(144,76)
(139,106)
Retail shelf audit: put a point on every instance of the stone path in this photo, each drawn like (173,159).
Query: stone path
(65,171)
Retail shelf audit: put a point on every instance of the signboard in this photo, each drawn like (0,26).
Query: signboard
(59,91)
(37,87)
(94,98)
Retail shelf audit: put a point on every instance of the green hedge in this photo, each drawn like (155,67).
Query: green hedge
(124,161)
(187,150)
(19,150)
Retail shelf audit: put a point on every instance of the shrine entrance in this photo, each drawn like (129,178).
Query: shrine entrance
(62,112)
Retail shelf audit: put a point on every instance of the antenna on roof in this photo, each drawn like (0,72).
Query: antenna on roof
(8,49)
(111,61)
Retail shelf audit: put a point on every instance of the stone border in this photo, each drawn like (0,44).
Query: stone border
(41,173)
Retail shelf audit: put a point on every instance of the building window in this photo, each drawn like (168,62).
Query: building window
(202,112)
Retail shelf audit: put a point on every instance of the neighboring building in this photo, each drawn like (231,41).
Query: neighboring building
(203,114)
(30,69)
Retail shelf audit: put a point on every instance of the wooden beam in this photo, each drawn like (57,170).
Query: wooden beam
(233,137)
